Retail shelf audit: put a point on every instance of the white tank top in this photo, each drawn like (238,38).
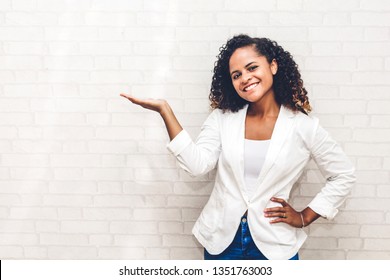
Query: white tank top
(255,152)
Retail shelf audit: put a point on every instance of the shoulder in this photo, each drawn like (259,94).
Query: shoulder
(304,121)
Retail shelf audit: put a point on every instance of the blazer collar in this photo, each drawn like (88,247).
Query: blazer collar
(283,125)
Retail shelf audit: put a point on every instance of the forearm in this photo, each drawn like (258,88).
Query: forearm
(309,216)
(171,123)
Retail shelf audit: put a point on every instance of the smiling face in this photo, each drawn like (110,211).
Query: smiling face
(251,74)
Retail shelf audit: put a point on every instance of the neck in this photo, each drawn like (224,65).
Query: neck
(265,107)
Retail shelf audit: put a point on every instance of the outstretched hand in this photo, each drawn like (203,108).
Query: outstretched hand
(148,103)
(284,214)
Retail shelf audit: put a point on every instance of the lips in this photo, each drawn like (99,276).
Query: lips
(250,87)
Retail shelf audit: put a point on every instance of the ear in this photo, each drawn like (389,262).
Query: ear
(274,66)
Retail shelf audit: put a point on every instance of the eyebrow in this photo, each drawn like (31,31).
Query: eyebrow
(250,63)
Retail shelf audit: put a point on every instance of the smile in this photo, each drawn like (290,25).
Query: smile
(250,87)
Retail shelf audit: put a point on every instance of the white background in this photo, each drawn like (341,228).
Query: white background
(84,174)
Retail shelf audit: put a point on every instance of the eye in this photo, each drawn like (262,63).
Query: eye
(235,76)
(252,68)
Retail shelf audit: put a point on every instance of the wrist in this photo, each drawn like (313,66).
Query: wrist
(164,109)
(303,224)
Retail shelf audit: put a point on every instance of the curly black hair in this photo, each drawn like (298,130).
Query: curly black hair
(287,83)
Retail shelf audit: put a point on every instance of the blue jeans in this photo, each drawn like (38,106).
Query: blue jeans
(242,247)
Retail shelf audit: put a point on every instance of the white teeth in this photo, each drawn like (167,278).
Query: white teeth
(250,87)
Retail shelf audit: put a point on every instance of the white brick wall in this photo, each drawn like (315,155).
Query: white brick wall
(86,175)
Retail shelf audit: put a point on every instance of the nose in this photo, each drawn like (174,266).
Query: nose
(246,77)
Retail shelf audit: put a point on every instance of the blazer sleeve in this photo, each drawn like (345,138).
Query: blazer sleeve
(336,168)
(200,157)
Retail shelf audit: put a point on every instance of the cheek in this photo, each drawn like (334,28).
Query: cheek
(236,85)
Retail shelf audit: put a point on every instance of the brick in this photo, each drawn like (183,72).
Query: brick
(318,230)
(70,213)
(66,119)
(193,63)
(68,133)
(342,34)
(138,240)
(105,18)
(35,252)
(148,188)
(292,19)
(62,239)
(10,226)
(111,146)
(350,243)
(366,49)
(84,226)
(375,5)
(330,5)
(202,33)
(73,187)
(186,253)
(375,231)
(289,5)
(67,200)
(378,107)
(186,201)
(64,48)
(121,252)
(134,228)
(25,160)
(157,254)
(367,255)
(72,252)
(12,119)
(75,160)
(326,48)
(30,19)
(376,34)
(373,204)
(21,33)
(119,201)
(331,63)
(83,33)
(179,240)
(306,254)
(193,188)
(68,62)
(377,244)
(372,135)
(27,213)
(120,5)
(161,19)
(162,174)
(336,19)
(157,214)
(25,48)
(71,19)
(320,243)
(170,227)
(23,239)
(106,214)
(100,240)
(11,252)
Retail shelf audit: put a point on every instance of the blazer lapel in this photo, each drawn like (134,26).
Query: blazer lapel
(282,128)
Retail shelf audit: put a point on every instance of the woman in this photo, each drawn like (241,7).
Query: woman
(259,137)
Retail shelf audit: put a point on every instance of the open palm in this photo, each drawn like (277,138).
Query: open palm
(147,103)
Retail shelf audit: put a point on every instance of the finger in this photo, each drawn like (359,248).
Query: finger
(279,200)
(278,220)
(133,99)
(275,209)
(276,215)
(125,95)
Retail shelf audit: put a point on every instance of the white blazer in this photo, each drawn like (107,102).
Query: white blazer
(296,138)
